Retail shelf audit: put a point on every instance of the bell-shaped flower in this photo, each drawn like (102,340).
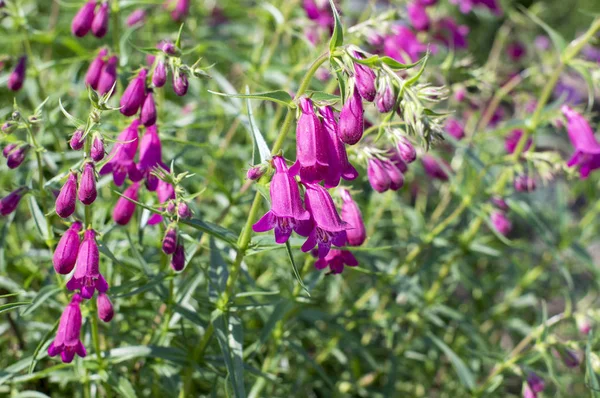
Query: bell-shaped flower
(16,156)
(108,77)
(339,166)
(587,148)
(311,145)
(287,213)
(9,203)
(65,254)
(106,311)
(328,228)
(180,83)
(67,342)
(97,150)
(125,209)
(92,77)
(159,75)
(169,242)
(417,14)
(535,382)
(67,197)
(336,260)
(134,95)
(100,23)
(433,168)
(377,175)
(364,79)
(17,77)
(454,128)
(77,142)
(385,99)
(395,175)
(148,113)
(351,215)
(82,22)
(352,119)
(87,277)
(181,10)
(87,185)
(150,157)
(7,149)
(121,162)
(178,259)
(406,150)
(137,16)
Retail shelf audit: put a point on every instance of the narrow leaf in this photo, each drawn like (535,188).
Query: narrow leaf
(464,373)
(337,38)
(260,149)
(279,96)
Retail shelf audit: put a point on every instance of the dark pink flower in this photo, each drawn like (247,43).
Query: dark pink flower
(587,148)
(501,223)
(67,342)
(159,75)
(92,77)
(254,173)
(385,99)
(121,162)
(165,192)
(7,149)
(352,120)
(82,22)
(150,157)
(100,23)
(395,175)
(16,156)
(451,34)
(378,176)
(406,150)
(364,79)
(106,311)
(125,209)
(108,77)
(336,259)
(137,16)
(417,14)
(183,210)
(403,45)
(433,168)
(328,228)
(339,166)
(87,185)
(181,10)
(178,259)
(512,140)
(9,203)
(455,128)
(311,145)
(287,213)
(97,151)
(87,276)
(76,142)
(148,113)
(134,95)
(65,254)
(17,77)
(169,242)
(356,232)
(67,198)
(516,50)
(180,83)
(535,382)
(528,393)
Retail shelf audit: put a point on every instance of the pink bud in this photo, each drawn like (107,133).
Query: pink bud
(8,127)
(65,202)
(169,243)
(352,120)
(168,48)
(386,97)
(97,151)
(82,22)
(178,259)
(7,149)
(134,95)
(17,155)
(105,307)
(17,77)
(181,10)
(92,77)
(407,150)
(395,175)
(108,77)
(65,254)
(254,173)
(100,23)
(77,141)
(501,223)
(9,203)
(148,114)
(87,185)
(180,83)
(136,17)
(356,232)
(170,207)
(183,210)
(365,80)
(378,176)
(124,209)
(159,76)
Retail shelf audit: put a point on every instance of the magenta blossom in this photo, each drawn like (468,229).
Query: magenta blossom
(352,119)
(433,167)
(82,22)
(65,254)
(535,382)
(287,213)
(403,45)
(159,75)
(77,142)
(17,77)
(356,232)
(67,198)
(121,162)
(97,151)
(180,83)
(417,14)
(87,185)
(16,156)
(169,242)
(501,223)
(67,342)
(150,157)
(125,208)
(336,259)
(108,77)
(87,276)
(134,95)
(406,150)
(377,175)
(181,10)
(165,192)
(148,113)
(454,128)
(512,140)
(106,311)
(466,6)
(100,23)
(137,16)
(9,203)
(587,148)
(365,79)
(451,34)
(328,228)
(311,145)
(339,166)
(178,259)
(385,99)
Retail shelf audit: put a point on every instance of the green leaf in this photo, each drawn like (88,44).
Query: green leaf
(217,273)
(74,121)
(229,344)
(395,65)
(323,97)
(260,149)
(125,388)
(236,345)
(559,42)
(337,38)
(464,373)
(41,343)
(294,268)
(38,217)
(279,96)
(416,77)
(592,378)
(44,294)
(587,76)
(12,306)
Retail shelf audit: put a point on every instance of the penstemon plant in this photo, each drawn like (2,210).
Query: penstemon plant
(306,198)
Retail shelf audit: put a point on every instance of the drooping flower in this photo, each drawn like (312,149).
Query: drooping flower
(150,157)
(339,166)
(406,150)
(587,148)
(97,151)
(501,223)
(148,113)
(512,140)
(7,149)
(137,16)
(178,259)
(87,277)
(180,83)
(67,198)
(336,260)
(165,192)
(121,162)
(92,77)
(183,210)
(82,22)
(125,209)
(377,175)
(328,228)
(106,311)
(395,175)
(9,203)
(454,128)
(181,10)
(433,168)
(535,382)
(385,99)
(365,79)
(169,242)
(87,186)
(287,213)
(108,77)
(352,119)
(417,14)
(76,142)
(403,45)
(17,77)
(159,75)
(17,155)
(311,145)
(168,47)
(356,232)
(65,254)
(100,23)
(254,173)
(67,342)
(134,95)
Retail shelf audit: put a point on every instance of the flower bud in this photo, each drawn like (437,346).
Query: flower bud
(365,80)
(9,203)
(82,22)
(67,198)
(535,382)
(134,95)
(108,77)
(148,113)
(418,16)
(254,173)
(395,175)
(97,151)
(124,209)
(454,128)
(168,48)
(159,76)
(105,307)
(378,176)
(87,185)
(7,149)
(386,97)
(100,23)
(181,10)
(433,168)
(17,156)
(406,150)
(77,141)
(569,357)
(356,233)
(352,120)
(136,17)
(17,77)
(9,127)
(65,254)
(183,210)
(180,83)
(499,203)
(170,207)
(178,259)
(169,243)
(524,183)
(501,223)
(584,325)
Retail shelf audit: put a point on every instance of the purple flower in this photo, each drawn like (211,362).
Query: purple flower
(67,198)
(287,212)
(17,155)
(433,168)
(87,185)
(181,10)
(124,209)
(406,150)
(501,223)
(542,42)
(351,215)
(168,48)
(352,120)
(365,79)
(137,16)
(569,357)
(150,157)
(417,14)
(336,259)
(395,175)
(466,6)
(180,83)
(378,176)
(178,259)
(121,162)
(500,203)
(134,94)
(312,9)
(76,143)
(165,192)
(328,228)
(454,128)
(97,151)
(403,45)
(159,76)
(148,113)
(183,210)
(535,382)
(65,254)
(254,173)
(106,311)
(587,148)
(524,183)
(8,127)
(100,23)
(17,77)
(339,166)
(82,22)
(108,77)
(9,203)
(512,140)
(311,145)
(516,50)
(67,342)
(385,99)
(169,242)
(451,34)
(528,393)
(7,149)
(87,276)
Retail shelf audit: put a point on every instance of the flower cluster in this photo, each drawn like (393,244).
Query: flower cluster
(91,18)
